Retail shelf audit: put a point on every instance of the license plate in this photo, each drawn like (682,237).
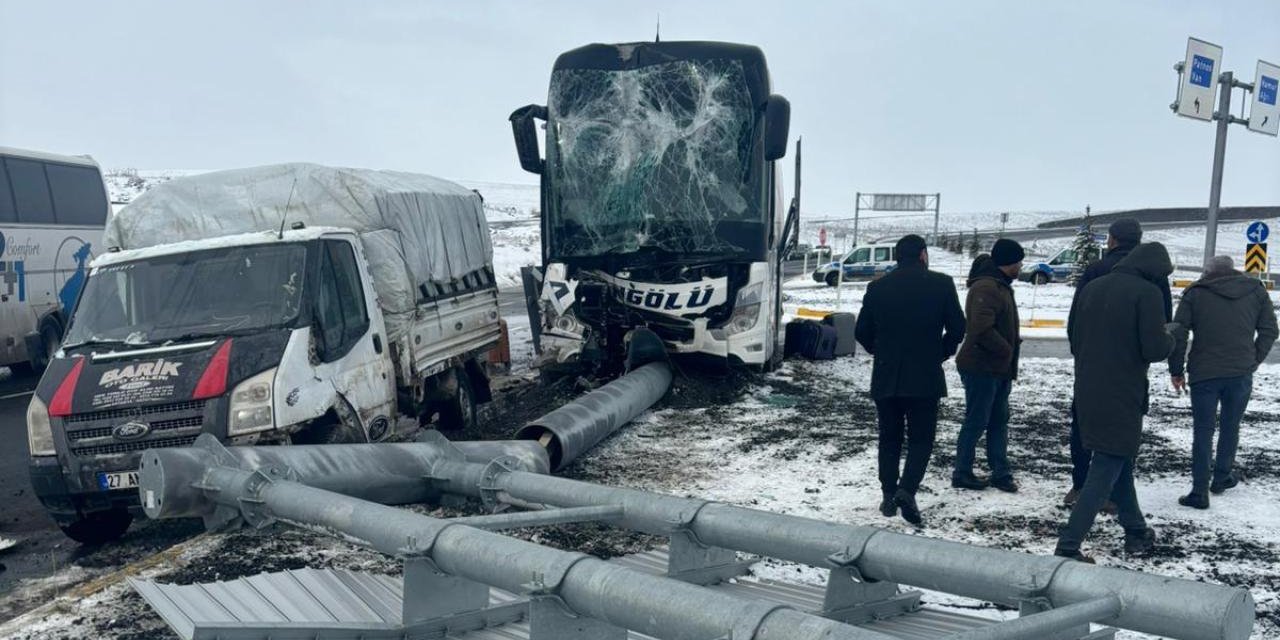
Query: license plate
(121,480)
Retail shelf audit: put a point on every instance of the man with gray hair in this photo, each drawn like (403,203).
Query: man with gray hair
(1234,324)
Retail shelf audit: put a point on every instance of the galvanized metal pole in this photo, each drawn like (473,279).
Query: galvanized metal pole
(857,209)
(1223,116)
(576,427)
(937,214)
(658,606)
(1046,623)
(181,482)
(1153,604)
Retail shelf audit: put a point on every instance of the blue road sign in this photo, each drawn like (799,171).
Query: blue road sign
(1267,90)
(1201,70)
(1257,232)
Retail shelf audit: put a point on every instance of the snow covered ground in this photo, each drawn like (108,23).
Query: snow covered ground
(878,224)
(801,441)
(1050,302)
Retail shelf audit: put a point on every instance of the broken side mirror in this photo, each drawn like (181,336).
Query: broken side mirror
(525,131)
(777,125)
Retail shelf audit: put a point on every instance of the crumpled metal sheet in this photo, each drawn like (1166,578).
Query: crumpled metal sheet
(347,604)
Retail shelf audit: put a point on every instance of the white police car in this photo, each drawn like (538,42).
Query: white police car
(863,262)
(1056,269)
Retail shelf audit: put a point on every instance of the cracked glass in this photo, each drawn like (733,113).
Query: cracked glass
(659,157)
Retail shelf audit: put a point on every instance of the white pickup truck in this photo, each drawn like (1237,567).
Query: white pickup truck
(291,303)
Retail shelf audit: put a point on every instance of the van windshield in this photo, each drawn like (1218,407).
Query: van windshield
(215,292)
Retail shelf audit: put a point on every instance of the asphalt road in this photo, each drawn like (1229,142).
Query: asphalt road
(21,516)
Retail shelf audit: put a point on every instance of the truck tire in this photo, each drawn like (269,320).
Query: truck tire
(459,412)
(1039,278)
(833,279)
(51,341)
(99,527)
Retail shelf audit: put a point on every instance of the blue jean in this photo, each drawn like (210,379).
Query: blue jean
(1233,394)
(1109,476)
(986,410)
(1080,456)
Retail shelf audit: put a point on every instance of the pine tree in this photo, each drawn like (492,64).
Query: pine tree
(1086,249)
(974,246)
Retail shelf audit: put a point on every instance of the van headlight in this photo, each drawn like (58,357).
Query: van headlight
(746,309)
(39,431)
(251,405)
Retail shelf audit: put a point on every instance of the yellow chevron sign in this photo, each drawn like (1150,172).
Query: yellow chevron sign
(1255,257)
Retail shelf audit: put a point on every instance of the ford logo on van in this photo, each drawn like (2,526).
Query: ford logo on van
(131,430)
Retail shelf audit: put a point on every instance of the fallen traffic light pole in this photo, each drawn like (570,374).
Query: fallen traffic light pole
(451,564)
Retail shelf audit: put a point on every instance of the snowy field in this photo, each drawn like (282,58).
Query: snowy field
(801,441)
(1049,302)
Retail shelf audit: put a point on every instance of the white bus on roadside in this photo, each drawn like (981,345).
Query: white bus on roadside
(52,212)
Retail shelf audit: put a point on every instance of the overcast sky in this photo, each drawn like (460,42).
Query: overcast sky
(998,105)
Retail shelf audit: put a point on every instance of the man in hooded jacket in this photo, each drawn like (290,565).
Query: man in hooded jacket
(1235,326)
(988,365)
(1116,329)
(1122,236)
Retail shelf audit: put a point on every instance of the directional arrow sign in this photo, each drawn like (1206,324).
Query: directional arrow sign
(1264,115)
(1257,232)
(1198,91)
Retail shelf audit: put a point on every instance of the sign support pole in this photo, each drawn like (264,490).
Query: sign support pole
(857,208)
(1219,154)
(937,211)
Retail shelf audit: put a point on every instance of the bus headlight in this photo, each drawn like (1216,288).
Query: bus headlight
(746,309)
(251,405)
(39,431)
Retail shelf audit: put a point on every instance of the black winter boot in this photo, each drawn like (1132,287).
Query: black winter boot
(887,508)
(1195,501)
(1139,542)
(1074,555)
(969,481)
(1217,488)
(910,512)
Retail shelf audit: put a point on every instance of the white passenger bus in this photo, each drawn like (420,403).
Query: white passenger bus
(52,212)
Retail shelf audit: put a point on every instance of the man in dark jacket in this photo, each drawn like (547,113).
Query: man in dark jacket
(1122,236)
(1234,325)
(911,323)
(988,364)
(1116,329)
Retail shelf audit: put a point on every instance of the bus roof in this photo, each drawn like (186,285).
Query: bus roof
(82,160)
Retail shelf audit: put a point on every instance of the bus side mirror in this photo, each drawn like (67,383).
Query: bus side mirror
(777,125)
(525,131)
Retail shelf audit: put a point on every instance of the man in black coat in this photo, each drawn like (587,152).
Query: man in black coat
(1122,237)
(911,322)
(1117,329)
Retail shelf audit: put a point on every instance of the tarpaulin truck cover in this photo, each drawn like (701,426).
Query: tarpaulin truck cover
(415,229)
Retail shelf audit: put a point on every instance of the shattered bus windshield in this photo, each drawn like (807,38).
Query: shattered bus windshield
(657,157)
(202,293)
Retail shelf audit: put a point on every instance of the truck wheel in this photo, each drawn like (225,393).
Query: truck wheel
(99,527)
(1040,278)
(459,412)
(833,279)
(51,340)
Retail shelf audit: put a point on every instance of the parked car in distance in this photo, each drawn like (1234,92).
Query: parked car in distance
(800,251)
(1056,269)
(862,262)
